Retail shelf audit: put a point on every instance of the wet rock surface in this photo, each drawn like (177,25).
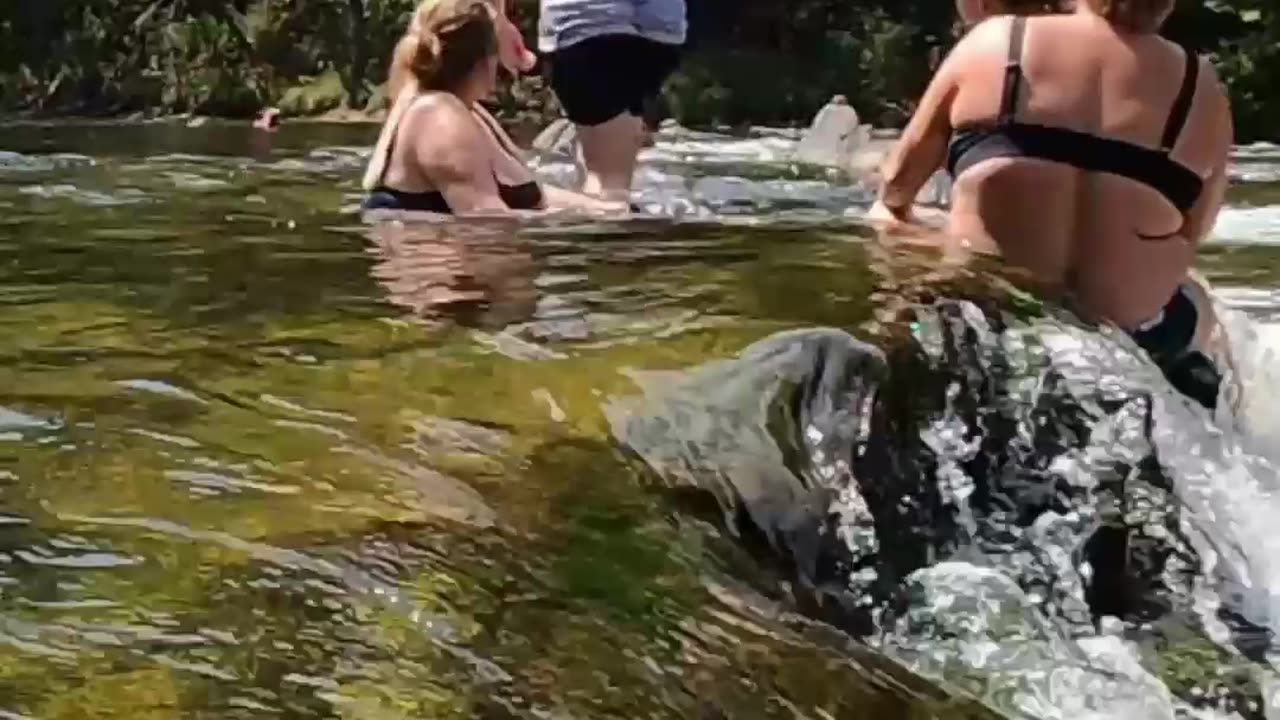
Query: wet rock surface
(834,135)
(954,492)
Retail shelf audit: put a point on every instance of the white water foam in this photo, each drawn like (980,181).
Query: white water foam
(1252,225)
(1226,470)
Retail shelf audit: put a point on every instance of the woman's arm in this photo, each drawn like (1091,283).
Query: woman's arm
(512,53)
(1201,218)
(555,198)
(453,155)
(921,149)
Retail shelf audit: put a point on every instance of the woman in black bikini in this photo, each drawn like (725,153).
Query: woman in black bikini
(1090,151)
(440,151)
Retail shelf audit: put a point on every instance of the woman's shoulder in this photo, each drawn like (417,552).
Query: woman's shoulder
(991,36)
(439,105)
(440,115)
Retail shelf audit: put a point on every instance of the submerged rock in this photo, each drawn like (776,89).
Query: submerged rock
(964,451)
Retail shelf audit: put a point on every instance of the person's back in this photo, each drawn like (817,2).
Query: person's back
(1118,243)
(1090,151)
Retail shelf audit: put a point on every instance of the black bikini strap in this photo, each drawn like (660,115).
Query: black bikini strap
(496,133)
(1182,105)
(1013,71)
(391,144)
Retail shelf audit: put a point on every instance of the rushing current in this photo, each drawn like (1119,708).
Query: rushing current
(734,458)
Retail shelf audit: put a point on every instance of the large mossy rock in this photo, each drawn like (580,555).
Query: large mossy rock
(313,96)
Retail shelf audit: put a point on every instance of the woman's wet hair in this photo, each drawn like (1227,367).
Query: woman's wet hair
(1142,16)
(445,41)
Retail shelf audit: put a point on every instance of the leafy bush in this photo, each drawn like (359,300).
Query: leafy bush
(749,61)
(1250,67)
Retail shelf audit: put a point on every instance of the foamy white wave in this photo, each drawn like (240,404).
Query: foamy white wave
(974,621)
(1248,225)
(1253,172)
(793,134)
(185,159)
(1258,149)
(1227,482)
(91,198)
(18,162)
(326,160)
(1252,300)
(1259,162)
(1249,317)
(688,146)
(725,193)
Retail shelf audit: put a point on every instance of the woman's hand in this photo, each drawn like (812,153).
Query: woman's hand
(927,228)
(512,53)
(892,218)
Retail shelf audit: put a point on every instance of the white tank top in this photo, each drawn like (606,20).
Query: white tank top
(562,23)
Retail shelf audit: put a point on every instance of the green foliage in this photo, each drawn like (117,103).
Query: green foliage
(116,55)
(314,95)
(749,61)
(1250,67)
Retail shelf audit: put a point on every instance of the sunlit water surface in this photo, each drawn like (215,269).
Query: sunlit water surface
(259,460)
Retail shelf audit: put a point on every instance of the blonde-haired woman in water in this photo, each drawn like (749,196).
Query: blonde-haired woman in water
(1089,150)
(440,151)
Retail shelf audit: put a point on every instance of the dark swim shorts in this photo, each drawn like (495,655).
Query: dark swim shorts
(600,78)
(1168,342)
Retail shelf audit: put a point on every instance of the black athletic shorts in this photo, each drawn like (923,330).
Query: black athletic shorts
(600,78)
(1169,341)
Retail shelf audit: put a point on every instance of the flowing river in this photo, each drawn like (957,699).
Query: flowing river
(736,459)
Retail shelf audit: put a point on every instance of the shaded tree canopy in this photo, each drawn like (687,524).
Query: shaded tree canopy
(231,57)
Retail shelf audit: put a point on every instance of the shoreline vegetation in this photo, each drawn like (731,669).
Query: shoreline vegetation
(139,60)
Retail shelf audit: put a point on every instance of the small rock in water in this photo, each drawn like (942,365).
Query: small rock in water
(560,137)
(834,135)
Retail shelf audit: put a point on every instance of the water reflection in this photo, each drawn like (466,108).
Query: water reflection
(476,274)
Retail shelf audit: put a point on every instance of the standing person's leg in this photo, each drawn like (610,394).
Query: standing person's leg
(603,83)
(609,152)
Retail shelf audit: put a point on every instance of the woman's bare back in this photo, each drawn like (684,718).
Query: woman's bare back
(1118,245)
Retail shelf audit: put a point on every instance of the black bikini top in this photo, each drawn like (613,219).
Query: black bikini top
(525,196)
(1009,138)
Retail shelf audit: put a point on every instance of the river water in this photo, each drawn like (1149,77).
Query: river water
(260,460)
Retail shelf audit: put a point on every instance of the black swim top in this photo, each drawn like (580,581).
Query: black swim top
(1009,138)
(525,196)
